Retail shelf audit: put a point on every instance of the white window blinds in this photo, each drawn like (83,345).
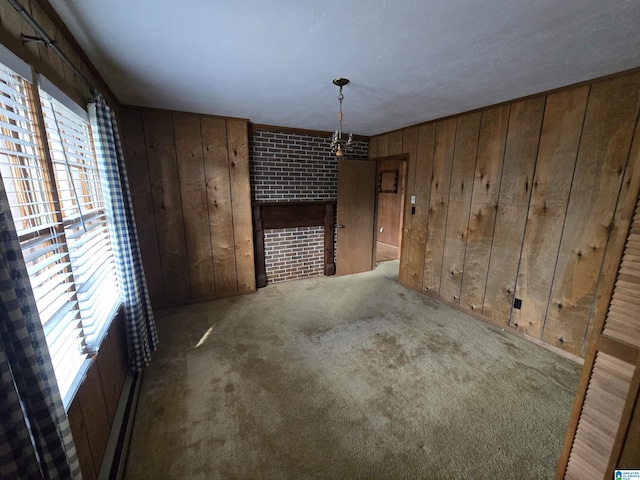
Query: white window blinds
(39,227)
(60,220)
(84,216)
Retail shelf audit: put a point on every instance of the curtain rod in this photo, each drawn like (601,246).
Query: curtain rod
(44,38)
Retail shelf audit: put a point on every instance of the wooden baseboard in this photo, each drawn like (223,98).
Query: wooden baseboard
(506,328)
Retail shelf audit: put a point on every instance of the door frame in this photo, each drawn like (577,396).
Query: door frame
(404,157)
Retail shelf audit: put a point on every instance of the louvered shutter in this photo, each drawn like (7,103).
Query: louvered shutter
(605,402)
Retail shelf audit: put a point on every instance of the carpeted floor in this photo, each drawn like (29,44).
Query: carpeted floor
(346,378)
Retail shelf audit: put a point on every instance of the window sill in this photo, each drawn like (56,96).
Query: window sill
(89,359)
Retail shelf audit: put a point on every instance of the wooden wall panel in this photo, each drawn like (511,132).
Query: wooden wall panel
(92,411)
(109,377)
(43,59)
(167,204)
(604,150)
(238,142)
(142,199)
(81,441)
(395,142)
(409,146)
(195,206)
(556,175)
(46,54)
(373,148)
(561,131)
(438,204)
(484,202)
(220,216)
(120,347)
(197,173)
(383,145)
(515,192)
(13,24)
(618,230)
(460,192)
(417,233)
(389,214)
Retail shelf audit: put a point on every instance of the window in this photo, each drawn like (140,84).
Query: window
(83,213)
(56,201)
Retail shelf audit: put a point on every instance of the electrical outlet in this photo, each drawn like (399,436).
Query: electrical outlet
(517,303)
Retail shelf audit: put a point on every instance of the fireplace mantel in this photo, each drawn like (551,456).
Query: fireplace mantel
(272,215)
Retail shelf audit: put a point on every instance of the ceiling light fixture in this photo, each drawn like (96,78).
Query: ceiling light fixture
(338,145)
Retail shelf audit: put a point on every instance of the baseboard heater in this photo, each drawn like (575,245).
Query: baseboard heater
(113,462)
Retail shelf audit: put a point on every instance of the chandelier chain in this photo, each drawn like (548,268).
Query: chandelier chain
(338,145)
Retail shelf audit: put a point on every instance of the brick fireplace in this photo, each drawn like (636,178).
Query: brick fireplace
(289,167)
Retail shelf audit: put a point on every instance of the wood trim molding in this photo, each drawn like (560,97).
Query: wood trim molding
(257,127)
(258,242)
(506,328)
(291,214)
(329,235)
(270,215)
(400,156)
(622,351)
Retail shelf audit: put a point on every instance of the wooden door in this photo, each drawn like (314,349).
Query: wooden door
(356,216)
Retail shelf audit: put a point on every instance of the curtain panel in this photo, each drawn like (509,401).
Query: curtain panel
(142,336)
(35,437)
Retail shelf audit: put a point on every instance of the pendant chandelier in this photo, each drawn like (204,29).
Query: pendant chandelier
(338,145)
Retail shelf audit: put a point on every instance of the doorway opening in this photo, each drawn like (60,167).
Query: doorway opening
(390,196)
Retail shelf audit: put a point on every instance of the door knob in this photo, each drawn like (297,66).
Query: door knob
(340,226)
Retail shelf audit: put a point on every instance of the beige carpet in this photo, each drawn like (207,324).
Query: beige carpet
(346,378)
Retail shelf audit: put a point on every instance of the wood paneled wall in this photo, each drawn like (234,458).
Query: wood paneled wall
(189,179)
(529,200)
(43,59)
(389,218)
(92,411)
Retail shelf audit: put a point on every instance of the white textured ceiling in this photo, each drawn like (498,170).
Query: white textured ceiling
(408,60)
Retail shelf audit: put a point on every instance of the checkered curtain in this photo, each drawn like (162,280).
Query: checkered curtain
(140,326)
(35,437)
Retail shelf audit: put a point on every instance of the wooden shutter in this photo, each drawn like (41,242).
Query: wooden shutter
(608,391)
